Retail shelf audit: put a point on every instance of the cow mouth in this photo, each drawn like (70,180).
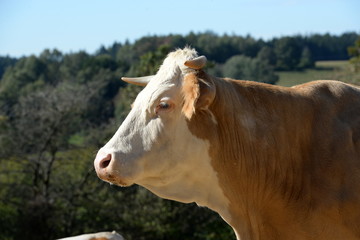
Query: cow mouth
(123,184)
(119,182)
(114,179)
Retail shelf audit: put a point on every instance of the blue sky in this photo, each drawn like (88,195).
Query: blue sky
(30,26)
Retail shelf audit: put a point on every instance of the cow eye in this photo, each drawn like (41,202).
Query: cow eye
(164,105)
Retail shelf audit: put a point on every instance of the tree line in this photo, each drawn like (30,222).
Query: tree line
(57,109)
(284,53)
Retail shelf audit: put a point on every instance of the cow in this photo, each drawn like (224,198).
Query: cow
(96,236)
(274,162)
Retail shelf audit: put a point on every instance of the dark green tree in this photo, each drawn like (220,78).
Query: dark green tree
(306,60)
(42,123)
(6,62)
(288,53)
(354,53)
(246,68)
(266,54)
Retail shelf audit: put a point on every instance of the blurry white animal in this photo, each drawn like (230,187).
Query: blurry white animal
(96,236)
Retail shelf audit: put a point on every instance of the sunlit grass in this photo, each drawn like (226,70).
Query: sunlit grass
(324,70)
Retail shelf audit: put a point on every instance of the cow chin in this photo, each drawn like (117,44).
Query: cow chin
(115,179)
(123,183)
(118,181)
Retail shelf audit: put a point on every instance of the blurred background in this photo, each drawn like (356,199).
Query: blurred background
(61,97)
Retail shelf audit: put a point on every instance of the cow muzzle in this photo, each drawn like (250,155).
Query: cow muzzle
(106,169)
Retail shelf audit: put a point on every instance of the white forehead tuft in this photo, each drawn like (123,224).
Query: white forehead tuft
(180,56)
(173,66)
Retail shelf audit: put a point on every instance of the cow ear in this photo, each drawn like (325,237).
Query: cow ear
(198,93)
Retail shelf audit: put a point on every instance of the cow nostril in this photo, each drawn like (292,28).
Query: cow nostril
(105,161)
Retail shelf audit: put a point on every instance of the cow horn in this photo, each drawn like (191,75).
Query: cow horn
(140,81)
(196,63)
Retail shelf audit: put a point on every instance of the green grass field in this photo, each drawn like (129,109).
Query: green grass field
(324,70)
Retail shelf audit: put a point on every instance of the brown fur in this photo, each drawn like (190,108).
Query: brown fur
(288,159)
(192,90)
(199,94)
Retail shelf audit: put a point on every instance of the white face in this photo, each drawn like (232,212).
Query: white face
(155,148)
(154,143)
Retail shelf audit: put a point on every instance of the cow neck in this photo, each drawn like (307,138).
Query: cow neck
(256,160)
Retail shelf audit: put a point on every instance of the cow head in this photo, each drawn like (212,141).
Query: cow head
(154,146)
